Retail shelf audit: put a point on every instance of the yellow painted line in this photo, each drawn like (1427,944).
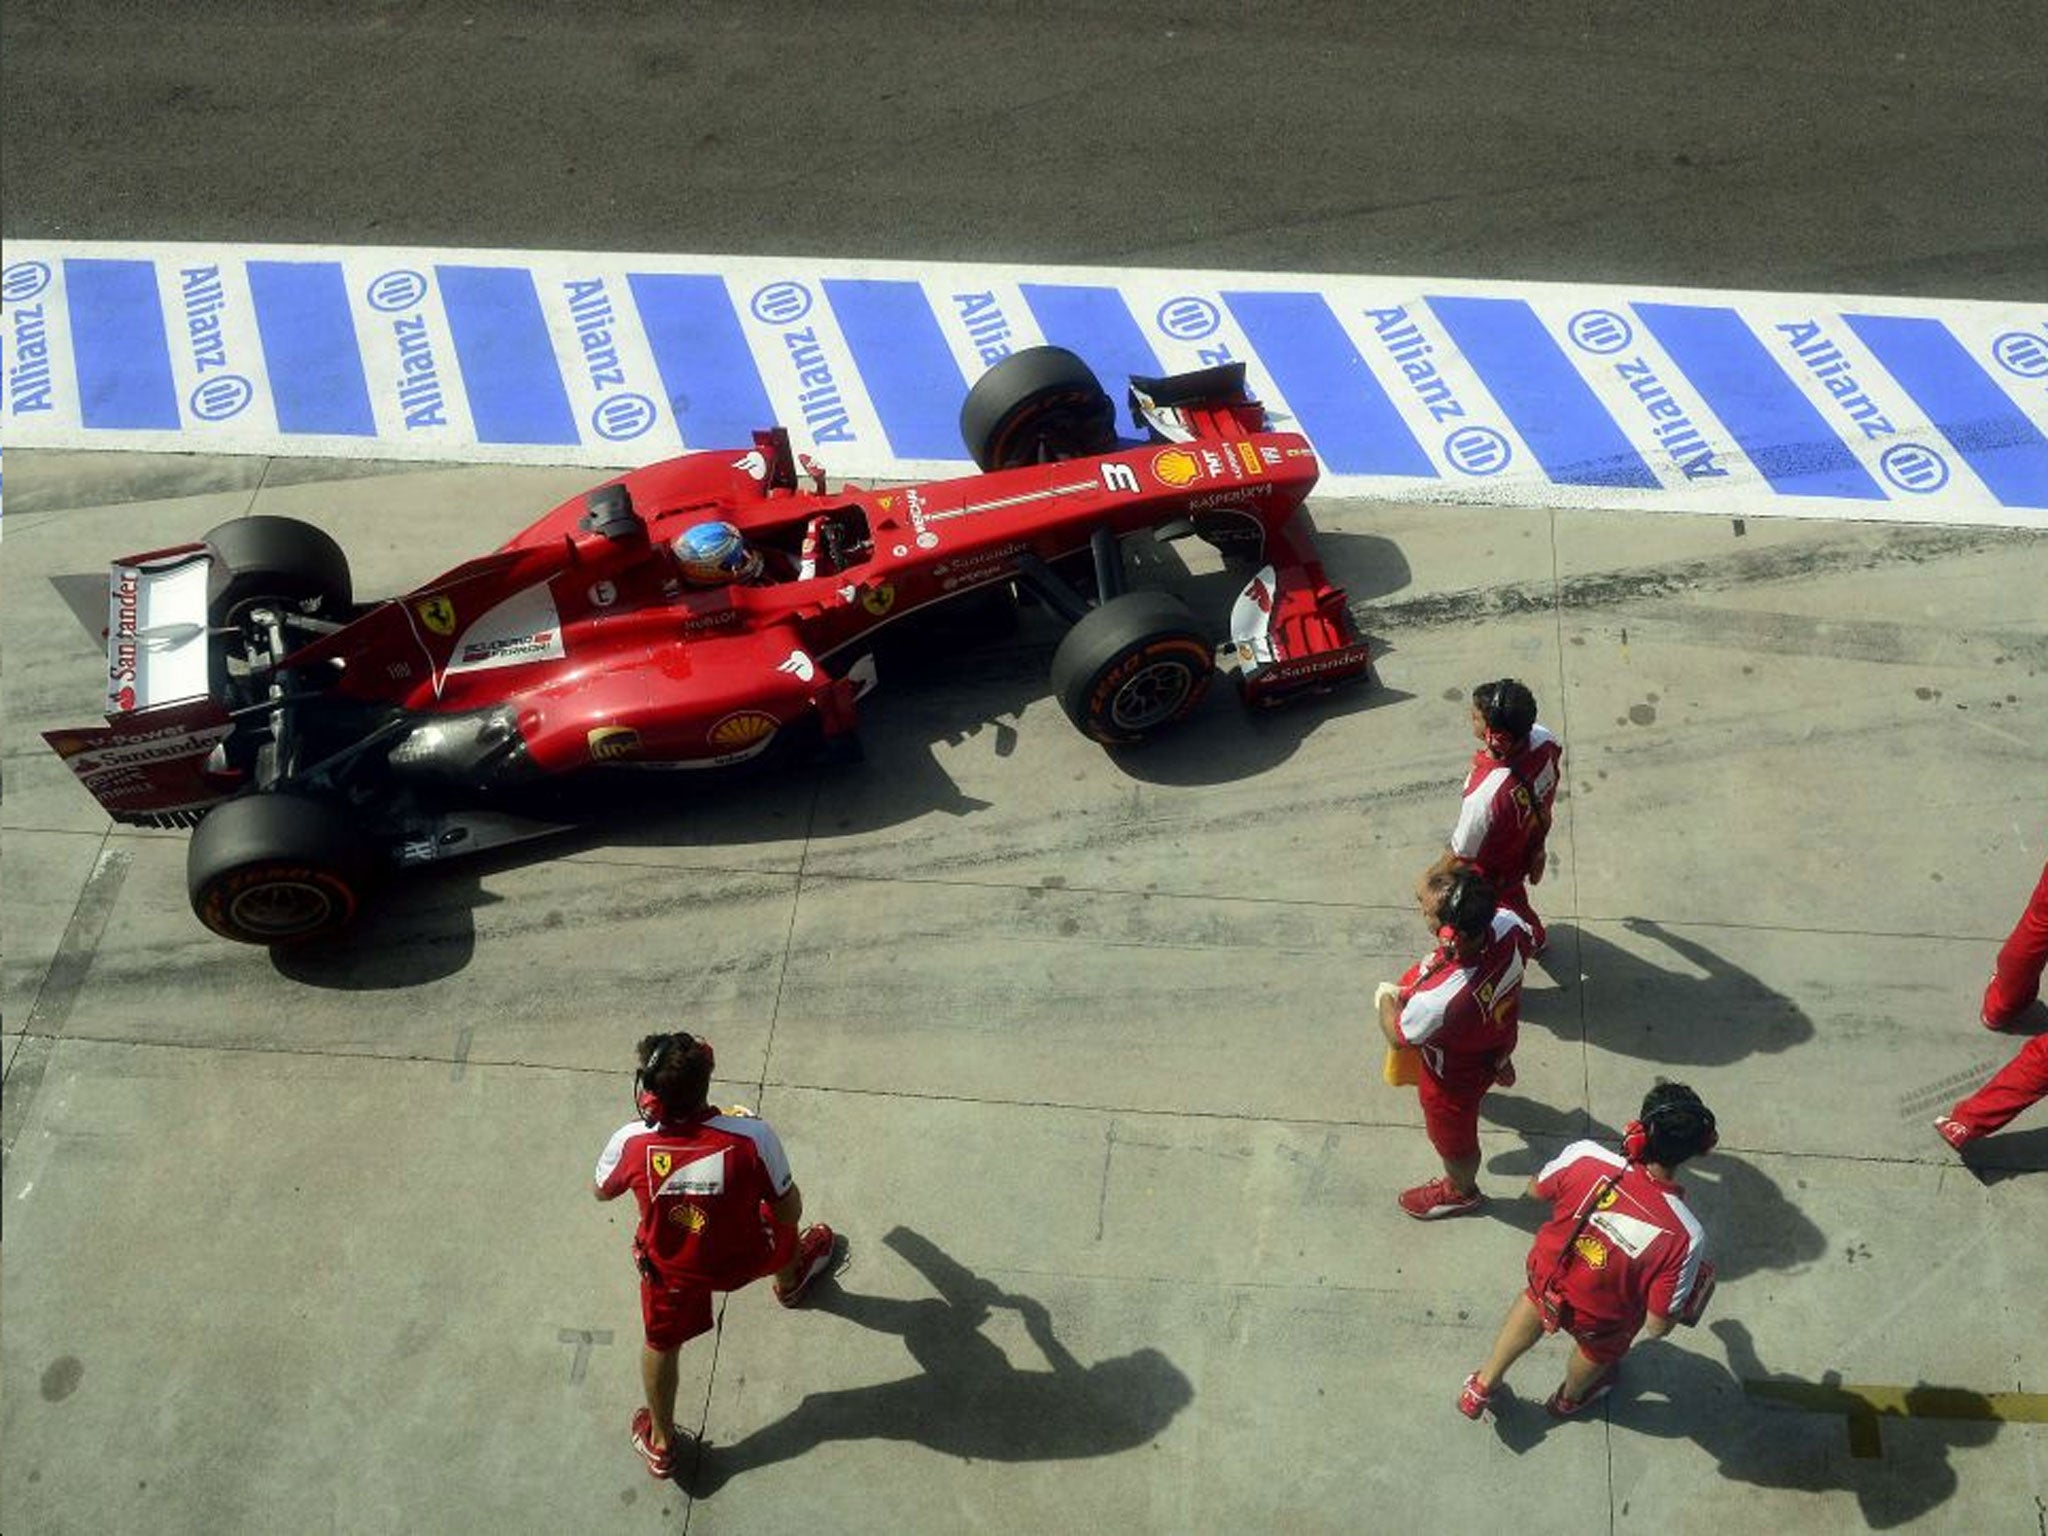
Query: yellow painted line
(1864,1406)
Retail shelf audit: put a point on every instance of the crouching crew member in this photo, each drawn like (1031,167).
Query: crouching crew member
(1621,1253)
(718,1210)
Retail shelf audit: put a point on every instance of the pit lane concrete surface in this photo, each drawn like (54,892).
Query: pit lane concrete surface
(1073,1047)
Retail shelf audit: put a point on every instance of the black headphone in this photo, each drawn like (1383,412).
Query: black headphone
(685,1047)
(1672,1115)
(1459,913)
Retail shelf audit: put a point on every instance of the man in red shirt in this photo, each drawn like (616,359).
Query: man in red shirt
(1460,1007)
(1620,1252)
(1504,815)
(718,1210)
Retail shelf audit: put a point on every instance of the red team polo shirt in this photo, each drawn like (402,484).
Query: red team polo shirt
(1497,825)
(700,1184)
(1464,1017)
(1641,1247)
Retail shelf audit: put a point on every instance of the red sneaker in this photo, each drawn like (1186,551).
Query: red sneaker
(658,1462)
(1561,1407)
(1476,1398)
(1437,1199)
(1954,1132)
(813,1257)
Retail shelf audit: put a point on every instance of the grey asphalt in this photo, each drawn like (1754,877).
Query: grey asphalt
(1075,1049)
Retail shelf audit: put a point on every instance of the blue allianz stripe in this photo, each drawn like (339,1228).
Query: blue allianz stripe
(2006,450)
(904,360)
(310,347)
(1096,324)
(1792,445)
(708,371)
(1554,409)
(1337,401)
(118,341)
(509,370)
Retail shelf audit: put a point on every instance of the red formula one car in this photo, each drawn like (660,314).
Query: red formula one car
(315,741)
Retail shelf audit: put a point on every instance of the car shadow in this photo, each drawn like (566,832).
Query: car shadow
(966,1398)
(1668,1391)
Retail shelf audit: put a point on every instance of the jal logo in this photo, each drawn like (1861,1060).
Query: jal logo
(619,418)
(781,303)
(23,280)
(401,288)
(220,398)
(437,613)
(1188,318)
(1176,467)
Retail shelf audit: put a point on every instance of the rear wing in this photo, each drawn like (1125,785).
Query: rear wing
(148,765)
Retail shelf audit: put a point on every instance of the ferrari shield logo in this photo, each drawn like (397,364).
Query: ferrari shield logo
(660,1162)
(437,613)
(879,600)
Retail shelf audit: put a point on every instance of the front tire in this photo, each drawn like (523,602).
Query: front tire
(1132,667)
(276,869)
(1034,406)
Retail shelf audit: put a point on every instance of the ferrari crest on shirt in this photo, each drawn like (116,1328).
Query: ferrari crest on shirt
(661,1162)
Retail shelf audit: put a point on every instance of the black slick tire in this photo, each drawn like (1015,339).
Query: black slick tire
(275,559)
(276,869)
(1133,667)
(1040,404)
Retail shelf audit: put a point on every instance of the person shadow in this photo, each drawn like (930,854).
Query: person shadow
(1634,1006)
(1738,1414)
(967,1399)
(1750,1222)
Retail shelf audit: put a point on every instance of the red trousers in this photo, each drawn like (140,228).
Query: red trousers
(2019,1083)
(2017,980)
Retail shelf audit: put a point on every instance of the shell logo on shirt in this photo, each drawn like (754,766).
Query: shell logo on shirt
(691,1216)
(1592,1250)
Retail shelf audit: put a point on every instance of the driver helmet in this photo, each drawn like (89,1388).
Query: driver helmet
(711,554)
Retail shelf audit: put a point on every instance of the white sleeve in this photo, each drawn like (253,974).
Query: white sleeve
(766,1142)
(1425,1012)
(1475,817)
(615,1149)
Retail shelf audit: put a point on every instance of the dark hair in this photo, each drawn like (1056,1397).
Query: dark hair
(1677,1123)
(676,1068)
(1465,901)
(1506,706)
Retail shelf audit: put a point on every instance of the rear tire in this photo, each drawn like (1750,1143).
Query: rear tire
(276,869)
(1037,405)
(275,560)
(1133,667)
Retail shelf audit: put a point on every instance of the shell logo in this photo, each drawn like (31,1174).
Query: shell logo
(689,1216)
(1592,1250)
(1176,467)
(743,730)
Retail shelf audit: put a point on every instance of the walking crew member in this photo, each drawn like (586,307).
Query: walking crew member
(1620,1253)
(2016,979)
(1460,1006)
(1504,817)
(718,1210)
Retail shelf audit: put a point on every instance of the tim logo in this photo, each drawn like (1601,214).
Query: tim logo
(781,303)
(24,280)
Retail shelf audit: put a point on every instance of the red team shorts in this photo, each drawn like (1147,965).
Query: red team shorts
(1603,1340)
(675,1312)
(1450,1114)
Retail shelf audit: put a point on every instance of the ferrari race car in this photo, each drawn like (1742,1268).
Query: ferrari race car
(314,742)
